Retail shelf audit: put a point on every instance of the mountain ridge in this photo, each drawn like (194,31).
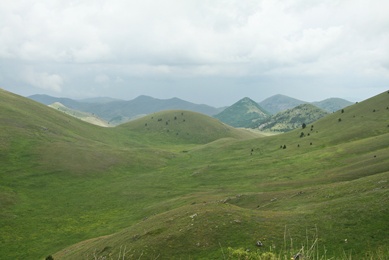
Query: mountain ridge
(279,102)
(120,111)
(242,113)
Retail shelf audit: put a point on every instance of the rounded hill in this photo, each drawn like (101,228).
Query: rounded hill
(184,127)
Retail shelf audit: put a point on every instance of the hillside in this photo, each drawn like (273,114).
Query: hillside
(243,113)
(119,111)
(78,191)
(332,104)
(178,126)
(278,103)
(87,117)
(291,119)
(322,190)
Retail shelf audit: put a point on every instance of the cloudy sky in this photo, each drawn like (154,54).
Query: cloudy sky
(204,51)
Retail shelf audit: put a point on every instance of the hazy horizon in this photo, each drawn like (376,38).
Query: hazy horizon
(205,52)
(199,103)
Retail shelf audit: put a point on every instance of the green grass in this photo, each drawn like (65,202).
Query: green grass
(136,186)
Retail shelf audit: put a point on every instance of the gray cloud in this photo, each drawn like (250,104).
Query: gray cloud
(110,47)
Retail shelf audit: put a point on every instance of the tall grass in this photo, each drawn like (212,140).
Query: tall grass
(309,250)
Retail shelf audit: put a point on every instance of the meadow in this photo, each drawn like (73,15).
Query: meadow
(181,185)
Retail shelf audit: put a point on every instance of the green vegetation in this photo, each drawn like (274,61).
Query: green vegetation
(291,119)
(332,104)
(279,103)
(78,191)
(243,113)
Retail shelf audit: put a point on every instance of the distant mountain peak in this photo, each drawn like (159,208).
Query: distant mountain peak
(278,103)
(243,113)
(332,104)
(143,97)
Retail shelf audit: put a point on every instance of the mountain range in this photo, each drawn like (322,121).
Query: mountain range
(248,114)
(244,113)
(116,112)
(278,103)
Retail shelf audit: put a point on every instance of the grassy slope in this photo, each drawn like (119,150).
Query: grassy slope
(184,127)
(66,181)
(335,186)
(63,180)
(87,117)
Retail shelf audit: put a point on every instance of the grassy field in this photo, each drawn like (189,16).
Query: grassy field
(189,187)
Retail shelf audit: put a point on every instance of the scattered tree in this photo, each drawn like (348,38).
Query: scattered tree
(304,125)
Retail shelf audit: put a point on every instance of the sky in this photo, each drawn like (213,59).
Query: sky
(211,52)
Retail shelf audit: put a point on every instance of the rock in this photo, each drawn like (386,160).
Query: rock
(259,244)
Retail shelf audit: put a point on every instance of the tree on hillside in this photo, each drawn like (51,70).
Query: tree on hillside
(304,125)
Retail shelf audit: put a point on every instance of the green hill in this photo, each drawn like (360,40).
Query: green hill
(177,126)
(332,104)
(85,191)
(278,103)
(291,119)
(243,113)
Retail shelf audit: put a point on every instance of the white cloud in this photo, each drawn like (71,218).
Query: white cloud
(174,33)
(182,39)
(44,80)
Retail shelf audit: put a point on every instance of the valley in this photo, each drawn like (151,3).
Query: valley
(181,185)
